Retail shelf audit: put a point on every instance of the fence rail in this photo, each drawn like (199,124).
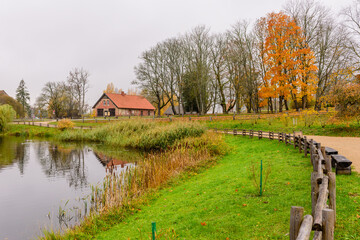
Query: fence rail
(323,186)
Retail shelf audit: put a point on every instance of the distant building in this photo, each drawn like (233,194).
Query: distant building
(2,92)
(115,104)
(178,110)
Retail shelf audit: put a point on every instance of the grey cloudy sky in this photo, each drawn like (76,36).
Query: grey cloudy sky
(42,40)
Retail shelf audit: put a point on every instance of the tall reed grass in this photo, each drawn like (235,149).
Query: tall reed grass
(119,189)
(122,190)
(143,135)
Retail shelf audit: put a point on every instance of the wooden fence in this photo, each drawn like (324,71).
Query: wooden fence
(323,186)
(40,124)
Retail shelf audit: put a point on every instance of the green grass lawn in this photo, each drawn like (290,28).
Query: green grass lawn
(222,202)
(344,129)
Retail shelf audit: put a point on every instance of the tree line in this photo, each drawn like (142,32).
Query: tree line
(57,99)
(66,98)
(290,59)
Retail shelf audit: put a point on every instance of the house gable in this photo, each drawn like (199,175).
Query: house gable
(123,101)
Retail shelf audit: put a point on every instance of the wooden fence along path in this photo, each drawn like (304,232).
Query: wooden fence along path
(40,124)
(323,186)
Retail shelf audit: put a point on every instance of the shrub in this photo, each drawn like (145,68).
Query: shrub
(7,114)
(285,119)
(310,117)
(65,124)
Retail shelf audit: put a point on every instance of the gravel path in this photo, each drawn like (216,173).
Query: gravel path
(347,146)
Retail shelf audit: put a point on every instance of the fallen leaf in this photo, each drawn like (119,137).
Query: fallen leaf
(203,224)
(275,209)
(244,205)
(357,215)
(236,190)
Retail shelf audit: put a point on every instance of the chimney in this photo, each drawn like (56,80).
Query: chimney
(122,93)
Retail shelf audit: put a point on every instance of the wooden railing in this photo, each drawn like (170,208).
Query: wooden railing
(323,186)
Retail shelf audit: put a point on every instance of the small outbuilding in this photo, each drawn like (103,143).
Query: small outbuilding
(178,110)
(2,92)
(120,104)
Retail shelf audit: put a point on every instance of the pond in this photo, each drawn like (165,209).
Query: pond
(39,179)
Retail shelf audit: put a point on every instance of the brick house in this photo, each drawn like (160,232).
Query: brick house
(120,104)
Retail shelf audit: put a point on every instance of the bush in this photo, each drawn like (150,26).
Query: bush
(7,114)
(285,119)
(65,124)
(310,117)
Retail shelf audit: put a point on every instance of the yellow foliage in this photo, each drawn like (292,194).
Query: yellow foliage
(309,117)
(285,119)
(65,124)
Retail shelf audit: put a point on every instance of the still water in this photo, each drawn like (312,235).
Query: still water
(38,178)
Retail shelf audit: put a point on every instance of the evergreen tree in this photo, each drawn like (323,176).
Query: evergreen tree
(23,96)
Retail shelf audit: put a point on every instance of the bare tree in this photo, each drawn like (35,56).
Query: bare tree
(221,82)
(242,65)
(78,79)
(198,44)
(149,78)
(352,23)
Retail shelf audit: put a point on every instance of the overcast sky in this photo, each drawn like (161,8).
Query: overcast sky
(42,40)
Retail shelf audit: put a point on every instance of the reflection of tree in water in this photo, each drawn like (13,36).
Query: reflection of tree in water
(57,160)
(13,150)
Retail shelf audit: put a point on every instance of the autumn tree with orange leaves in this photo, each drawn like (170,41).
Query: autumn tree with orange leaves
(289,63)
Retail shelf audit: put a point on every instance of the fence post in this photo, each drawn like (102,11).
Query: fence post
(305,146)
(328,222)
(332,193)
(314,192)
(296,216)
(153,230)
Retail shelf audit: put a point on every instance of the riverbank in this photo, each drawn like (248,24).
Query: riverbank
(31,131)
(221,201)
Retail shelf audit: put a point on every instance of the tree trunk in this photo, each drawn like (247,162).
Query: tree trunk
(280,103)
(304,102)
(286,105)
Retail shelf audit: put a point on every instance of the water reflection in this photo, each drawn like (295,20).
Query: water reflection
(63,161)
(36,177)
(13,152)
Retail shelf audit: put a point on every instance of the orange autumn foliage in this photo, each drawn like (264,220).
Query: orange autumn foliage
(289,62)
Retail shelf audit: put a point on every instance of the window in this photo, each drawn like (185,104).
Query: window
(104,102)
(108,102)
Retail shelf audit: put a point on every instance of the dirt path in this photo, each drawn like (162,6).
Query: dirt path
(347,146)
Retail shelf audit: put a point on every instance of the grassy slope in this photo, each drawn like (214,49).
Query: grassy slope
(225,199)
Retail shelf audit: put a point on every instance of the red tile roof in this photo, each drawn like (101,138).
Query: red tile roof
(2,92)
(130,101)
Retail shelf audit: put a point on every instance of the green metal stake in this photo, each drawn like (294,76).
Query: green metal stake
(261,167)
(153,226)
